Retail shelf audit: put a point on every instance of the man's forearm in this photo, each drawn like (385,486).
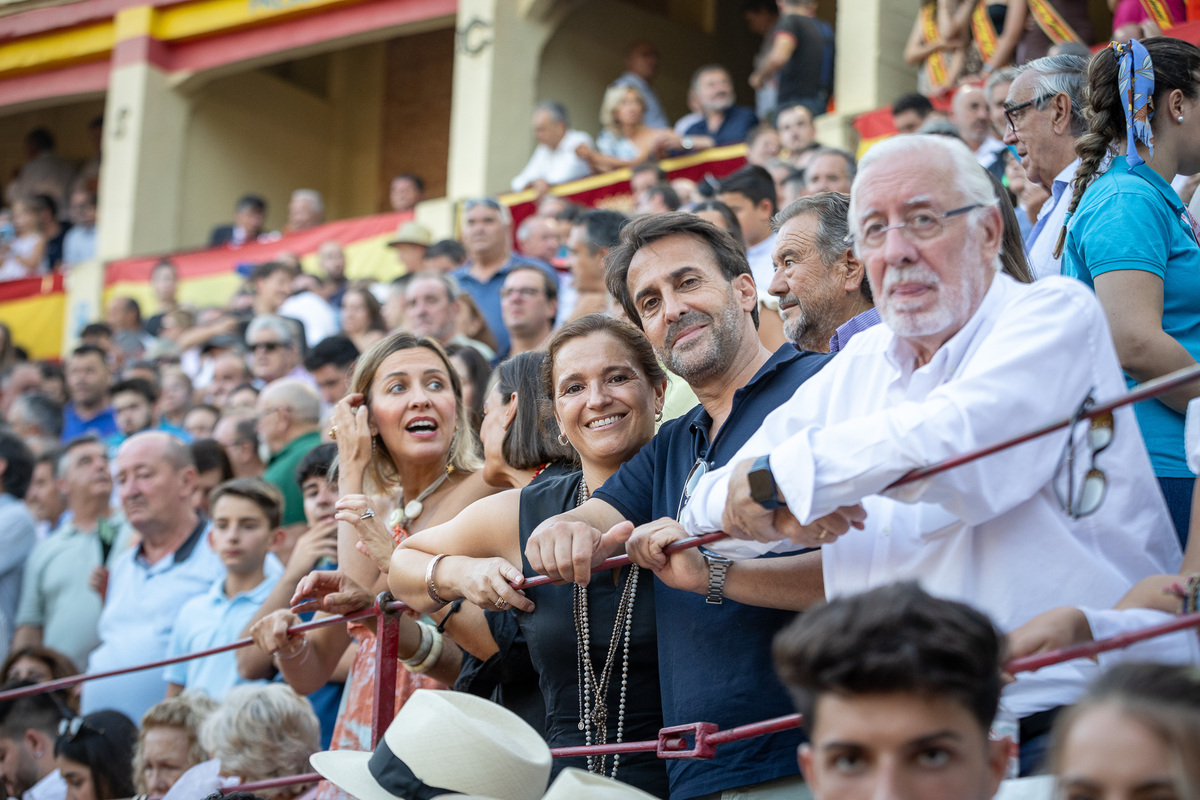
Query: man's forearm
(793,583)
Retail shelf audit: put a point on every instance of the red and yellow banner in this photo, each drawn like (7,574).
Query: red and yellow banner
(210,277)
(1158,11)
(935,63)
(1051,22)
(983,30)
(33,309)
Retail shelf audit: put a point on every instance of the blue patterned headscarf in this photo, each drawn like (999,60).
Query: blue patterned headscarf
(1136,81)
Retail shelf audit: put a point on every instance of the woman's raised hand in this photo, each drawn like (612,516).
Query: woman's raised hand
(351,428)
(374,540)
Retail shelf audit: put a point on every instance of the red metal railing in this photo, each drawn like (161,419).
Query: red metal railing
(672,742)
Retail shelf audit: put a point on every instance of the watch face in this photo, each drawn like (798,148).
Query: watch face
(762,485)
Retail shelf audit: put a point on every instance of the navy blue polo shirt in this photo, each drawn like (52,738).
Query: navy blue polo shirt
(715,660)
(734,127)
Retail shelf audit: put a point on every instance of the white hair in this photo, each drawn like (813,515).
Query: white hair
(970,179)
(296,395)
(312,196)
(262,731)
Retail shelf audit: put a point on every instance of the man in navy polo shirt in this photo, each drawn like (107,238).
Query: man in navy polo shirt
(690,288)
(487,235)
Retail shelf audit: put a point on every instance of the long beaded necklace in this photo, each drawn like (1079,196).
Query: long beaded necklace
(593,689)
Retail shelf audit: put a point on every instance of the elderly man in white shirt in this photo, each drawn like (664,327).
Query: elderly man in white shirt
(553,160)
(966,358)
(1044,116)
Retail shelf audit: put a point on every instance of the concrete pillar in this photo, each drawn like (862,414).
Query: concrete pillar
(870,62)
(498,48)
(145,122)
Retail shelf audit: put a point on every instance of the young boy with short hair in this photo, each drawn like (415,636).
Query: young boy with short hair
(898,691)
(246,514)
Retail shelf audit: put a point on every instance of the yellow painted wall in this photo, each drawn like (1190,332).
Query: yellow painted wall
(257,132)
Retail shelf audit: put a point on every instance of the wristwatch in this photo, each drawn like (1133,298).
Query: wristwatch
(718,565)
(762,484)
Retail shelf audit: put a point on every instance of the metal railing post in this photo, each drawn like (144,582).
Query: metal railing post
(387,646)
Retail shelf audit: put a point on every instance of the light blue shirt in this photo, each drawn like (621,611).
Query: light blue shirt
(138,618)
(16,541)
(1136,221)
(79,245)
(210,620)
(852,327)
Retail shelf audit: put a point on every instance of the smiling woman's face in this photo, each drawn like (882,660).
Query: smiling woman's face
(603,403)
(413,405)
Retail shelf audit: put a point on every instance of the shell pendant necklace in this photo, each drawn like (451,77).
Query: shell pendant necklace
(401,519)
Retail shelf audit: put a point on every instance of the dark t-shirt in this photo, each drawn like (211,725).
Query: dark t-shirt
(737,123)
(800,77)
(715,660)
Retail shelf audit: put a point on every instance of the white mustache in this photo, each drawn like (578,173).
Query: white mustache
(916,273)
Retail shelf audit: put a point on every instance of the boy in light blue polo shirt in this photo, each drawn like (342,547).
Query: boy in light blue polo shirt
(245,527)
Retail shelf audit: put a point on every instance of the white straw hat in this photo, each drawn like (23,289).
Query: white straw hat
(576,784)
(443,742)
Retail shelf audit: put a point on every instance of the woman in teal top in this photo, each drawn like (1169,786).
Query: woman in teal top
(1129,236)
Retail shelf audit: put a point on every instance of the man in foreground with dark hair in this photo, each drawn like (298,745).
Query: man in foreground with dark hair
(28,728)
(898,691)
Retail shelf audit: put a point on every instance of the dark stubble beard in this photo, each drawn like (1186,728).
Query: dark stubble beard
(703,361)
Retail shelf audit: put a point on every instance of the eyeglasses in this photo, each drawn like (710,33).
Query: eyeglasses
(70,728)
(521,291)
(270,347)
(917,225)
(1013,114)
(699,470)
(1095,483)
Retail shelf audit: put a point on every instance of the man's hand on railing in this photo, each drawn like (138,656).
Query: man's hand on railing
(332,591)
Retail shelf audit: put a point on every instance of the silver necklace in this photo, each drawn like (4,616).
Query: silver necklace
(593,689)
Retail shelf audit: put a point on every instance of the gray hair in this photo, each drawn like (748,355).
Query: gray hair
(1006,75)
(848,157)
(312,196)
(970,179)
(1054,75)
(448,283)
(40,410)
(274,324)
(525,229)
(262,731)
(297,396)
(64,455)
(555,109)
(832,210)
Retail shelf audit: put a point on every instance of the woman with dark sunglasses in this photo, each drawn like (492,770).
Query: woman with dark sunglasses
(94,755)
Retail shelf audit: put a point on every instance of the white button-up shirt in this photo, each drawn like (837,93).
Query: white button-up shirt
(992,532)
(557,165)
(1050,221)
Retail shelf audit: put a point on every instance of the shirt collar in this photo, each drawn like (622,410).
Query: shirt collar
(184,551)
(272,570)
(855,325)
(303,440)
(1170,195)
(785,355)
(1068,173)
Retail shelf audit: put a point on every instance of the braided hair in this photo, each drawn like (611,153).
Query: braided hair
(1176,64)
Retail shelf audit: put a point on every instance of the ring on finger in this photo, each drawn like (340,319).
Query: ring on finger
(501,604)
(370,512)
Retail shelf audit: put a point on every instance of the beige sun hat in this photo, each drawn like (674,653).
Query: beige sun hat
(576,784)
(412,233)
(443,742)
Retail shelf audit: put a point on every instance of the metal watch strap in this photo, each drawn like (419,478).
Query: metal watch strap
(718,565)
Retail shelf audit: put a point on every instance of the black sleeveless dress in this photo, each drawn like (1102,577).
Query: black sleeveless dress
(550,634)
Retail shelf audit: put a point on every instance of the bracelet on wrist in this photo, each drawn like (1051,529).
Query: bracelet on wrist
(423,648)
(435,652)
(295,653)
(430,575)
(454,608)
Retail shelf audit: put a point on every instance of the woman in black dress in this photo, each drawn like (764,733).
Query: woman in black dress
(595,648)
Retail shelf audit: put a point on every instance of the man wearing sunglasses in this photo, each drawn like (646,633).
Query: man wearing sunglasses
(1044,119)
(689,287)
(965,358)
(28,729)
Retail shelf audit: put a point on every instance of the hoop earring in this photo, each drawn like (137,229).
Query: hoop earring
(658,416)
(562,439)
